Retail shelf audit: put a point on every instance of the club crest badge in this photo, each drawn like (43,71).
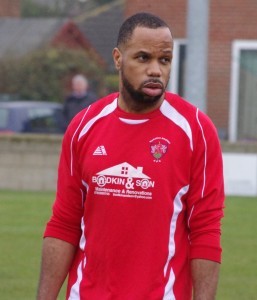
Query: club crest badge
(159,147)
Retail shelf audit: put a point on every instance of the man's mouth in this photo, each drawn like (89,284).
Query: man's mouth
(152,88)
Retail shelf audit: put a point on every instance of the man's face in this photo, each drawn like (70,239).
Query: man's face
(80,86)
(144,64)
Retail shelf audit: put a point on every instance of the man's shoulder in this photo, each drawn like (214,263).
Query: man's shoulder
(70,98)
(181,105)
(188,110)
(97,109)
(104,101)
(99,105)
(177,101)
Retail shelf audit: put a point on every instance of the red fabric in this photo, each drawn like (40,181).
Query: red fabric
(143,194)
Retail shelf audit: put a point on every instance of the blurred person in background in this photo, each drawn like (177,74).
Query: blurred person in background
(80,98)
(140,187)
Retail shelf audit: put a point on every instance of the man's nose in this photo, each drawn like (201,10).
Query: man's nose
(154,69)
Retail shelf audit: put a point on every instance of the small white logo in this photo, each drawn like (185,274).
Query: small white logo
(100,151)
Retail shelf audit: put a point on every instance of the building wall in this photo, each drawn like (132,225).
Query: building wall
(172,11)
(29,162)
(229,20)
(9,8)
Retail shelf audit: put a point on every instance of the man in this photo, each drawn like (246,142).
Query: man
(80,97)
(140,189)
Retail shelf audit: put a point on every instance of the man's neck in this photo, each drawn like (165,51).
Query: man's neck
(138,108)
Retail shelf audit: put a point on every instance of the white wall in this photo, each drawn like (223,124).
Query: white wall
(29,162)
(240,173)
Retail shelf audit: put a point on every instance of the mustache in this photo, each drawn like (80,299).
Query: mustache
(154,81)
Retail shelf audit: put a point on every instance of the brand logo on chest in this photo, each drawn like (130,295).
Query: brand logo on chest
(123,180)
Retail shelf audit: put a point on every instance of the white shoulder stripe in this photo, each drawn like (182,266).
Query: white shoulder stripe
(72,140)
(205,152)
(106,111)
(171,113)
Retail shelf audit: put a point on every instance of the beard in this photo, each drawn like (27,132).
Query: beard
(136,97)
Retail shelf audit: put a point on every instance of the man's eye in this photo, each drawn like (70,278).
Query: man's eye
(166,60)
(142,57)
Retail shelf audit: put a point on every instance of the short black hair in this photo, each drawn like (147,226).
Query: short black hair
(138,20)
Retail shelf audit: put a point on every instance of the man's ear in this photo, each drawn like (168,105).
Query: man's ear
(116,54)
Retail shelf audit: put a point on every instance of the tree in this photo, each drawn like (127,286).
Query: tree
(50,8)
(31,8)
(45,74)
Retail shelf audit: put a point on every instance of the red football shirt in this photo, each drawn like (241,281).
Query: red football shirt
(140,195)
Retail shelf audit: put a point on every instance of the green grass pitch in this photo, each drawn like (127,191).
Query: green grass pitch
(23,216)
